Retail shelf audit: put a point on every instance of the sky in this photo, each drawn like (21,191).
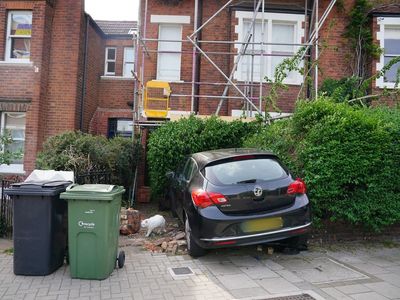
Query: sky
(114,10)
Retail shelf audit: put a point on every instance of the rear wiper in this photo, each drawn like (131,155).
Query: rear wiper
(248,181)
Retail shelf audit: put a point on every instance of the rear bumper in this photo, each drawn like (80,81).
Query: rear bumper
(258,238)
(213,229)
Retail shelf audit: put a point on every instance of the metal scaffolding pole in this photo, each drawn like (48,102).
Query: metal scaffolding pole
(241,53)
(210,19)
(222,73)
(262,54)
(316,47)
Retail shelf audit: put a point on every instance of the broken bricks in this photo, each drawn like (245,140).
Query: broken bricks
(130,221)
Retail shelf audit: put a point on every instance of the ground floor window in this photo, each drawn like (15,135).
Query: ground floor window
(120,127)
(13,123)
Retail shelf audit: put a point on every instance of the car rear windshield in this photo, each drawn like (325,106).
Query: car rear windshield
(239,171)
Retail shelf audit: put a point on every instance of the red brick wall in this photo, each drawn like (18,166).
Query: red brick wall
(99,122)
(334,59)
(115,93)
(63,94)
(28,81)
(94,70)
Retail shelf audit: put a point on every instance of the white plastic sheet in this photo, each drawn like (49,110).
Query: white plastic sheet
(50,175)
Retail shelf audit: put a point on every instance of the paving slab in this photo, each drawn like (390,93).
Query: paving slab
(353,289)
(239,281)
(237,274)
(368,296)
(384,288)
(259,272)
(277,285)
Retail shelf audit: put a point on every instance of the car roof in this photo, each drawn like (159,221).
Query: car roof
(206,157)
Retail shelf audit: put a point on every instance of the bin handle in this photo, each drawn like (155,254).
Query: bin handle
(110,188)
(71,186)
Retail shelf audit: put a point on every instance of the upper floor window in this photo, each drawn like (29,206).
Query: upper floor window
(129,60)
(281,33)
(19,32)
(111,57)
(169,53)
(389,37)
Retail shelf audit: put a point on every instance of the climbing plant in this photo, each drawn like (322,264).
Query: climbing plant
(358,33)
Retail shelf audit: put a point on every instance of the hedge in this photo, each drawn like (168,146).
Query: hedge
(83,153)
(348,156)
(171,143)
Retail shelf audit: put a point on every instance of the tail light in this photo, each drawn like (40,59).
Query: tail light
(203,199)
(297,187)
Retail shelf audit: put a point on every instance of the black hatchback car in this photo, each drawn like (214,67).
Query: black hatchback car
(237,197)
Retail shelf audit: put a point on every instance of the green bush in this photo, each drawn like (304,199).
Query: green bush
(343,90)
(348,156)
(84,153)
(171,143)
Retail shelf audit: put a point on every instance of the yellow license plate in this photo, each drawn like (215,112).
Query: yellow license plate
(262,225)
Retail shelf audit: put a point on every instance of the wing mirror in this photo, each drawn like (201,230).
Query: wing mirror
(170,174)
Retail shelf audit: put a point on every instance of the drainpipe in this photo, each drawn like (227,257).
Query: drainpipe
(197,58)
(83,92)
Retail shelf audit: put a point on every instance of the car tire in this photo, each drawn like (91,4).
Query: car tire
(299,243)
(194,250)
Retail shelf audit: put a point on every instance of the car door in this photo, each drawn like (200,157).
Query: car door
(183,181)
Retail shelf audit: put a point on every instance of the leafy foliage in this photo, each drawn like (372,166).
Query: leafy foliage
(171,143)
(358,32)
(7,156)
(83,153)
(348,156)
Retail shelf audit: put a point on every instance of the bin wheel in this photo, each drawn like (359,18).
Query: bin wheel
(121,259)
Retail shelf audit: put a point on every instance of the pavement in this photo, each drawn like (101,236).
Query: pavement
(343,271)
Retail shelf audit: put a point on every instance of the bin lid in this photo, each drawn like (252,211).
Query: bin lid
(38,188)
(92,192)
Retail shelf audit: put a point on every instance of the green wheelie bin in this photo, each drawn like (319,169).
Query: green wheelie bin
(93,229)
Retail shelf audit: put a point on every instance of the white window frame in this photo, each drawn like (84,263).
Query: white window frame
(13,168)
(380,35)
(9,37)
(178,78)
(107,60)
(269,18)
(128,62)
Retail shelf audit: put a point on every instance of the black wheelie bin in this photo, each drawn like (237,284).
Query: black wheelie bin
(40,226)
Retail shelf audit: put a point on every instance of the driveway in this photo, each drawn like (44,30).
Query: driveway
(349,271)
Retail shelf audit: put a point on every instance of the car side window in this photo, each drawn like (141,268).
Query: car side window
(189,168)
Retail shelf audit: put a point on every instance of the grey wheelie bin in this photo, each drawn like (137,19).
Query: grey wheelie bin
(93,229)
(40,229)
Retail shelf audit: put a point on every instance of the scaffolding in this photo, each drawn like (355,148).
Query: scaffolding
(244,90)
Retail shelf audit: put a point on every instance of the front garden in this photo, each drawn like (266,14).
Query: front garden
(349,156)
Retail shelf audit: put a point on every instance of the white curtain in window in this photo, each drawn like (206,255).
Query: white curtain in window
(246,60)
(129,57)
(169,64)
(392,50)
(285,34)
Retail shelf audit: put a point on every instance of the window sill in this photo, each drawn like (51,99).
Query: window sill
(292,82)
(170,81)
(10,63)
(17,169)
(387,85)
(107,77)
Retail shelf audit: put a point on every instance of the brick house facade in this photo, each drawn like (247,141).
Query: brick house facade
(52,67)
(284,22)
